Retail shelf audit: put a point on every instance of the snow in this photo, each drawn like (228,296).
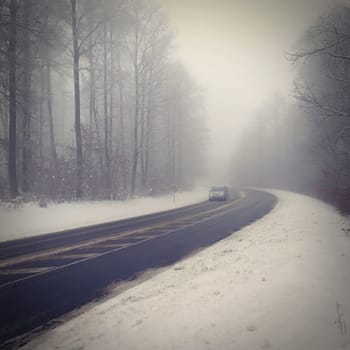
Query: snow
(30,219)
(282,282)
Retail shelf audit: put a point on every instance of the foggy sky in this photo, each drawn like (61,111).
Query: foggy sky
(234,51)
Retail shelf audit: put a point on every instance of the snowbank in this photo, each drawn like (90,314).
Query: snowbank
(281,283)
(30,219)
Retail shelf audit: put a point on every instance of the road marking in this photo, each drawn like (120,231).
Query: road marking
(74,256)
(48,269)
(113,245)
(145,237)
(163,227)
(29,271)
(50,236)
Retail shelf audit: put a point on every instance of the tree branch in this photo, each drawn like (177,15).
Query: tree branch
(294,57)
(308,97)
(339,56)
(338,78)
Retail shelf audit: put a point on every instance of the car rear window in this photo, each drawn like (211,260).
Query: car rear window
(217,189)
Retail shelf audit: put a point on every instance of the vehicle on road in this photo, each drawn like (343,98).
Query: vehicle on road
(218,193)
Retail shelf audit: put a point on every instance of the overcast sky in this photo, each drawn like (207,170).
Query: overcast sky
(234,51)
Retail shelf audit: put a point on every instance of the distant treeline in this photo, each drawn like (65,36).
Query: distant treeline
(303,144)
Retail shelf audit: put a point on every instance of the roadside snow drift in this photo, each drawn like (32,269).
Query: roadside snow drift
(30,220)
(281,283)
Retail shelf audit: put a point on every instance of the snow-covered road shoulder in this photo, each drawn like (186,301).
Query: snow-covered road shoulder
(281,283)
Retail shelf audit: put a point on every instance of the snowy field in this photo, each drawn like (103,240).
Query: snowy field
(29,219)
(281,283)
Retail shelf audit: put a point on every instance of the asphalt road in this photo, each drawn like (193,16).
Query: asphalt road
(44,277)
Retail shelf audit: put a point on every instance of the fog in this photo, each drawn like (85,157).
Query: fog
(144,97)
(234,51)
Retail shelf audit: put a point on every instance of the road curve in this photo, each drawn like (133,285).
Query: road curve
(44,277)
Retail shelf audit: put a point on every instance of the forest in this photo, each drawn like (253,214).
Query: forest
(302,142)
(93,102)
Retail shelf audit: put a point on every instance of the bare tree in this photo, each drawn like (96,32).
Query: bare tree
(76,57)
(323,86)
(12,61)
(116,57)
(27,71)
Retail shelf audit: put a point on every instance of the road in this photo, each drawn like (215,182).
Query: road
(44,277)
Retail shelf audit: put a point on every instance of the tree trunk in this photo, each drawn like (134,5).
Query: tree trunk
(49,108)
(173,148)
(142,133)
(110,136)
(12,100)
(136,115)
(41,119)
(121,125)
(169,162)
(105,110)
(148,122)
(26,150)
(76,54)
(92,101)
